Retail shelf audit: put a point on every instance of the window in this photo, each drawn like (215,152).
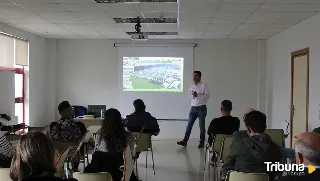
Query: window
(14,56)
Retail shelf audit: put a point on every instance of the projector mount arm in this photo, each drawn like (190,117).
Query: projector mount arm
(138,26)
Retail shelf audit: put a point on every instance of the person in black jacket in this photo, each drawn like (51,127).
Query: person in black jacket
(140,118)
(34,159)
(226,124)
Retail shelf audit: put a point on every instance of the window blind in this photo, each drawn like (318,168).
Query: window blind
(21,52)
(6,51)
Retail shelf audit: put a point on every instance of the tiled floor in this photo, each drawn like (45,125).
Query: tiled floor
(173,163)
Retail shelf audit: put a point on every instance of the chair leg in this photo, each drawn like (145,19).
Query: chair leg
(154,172)
(137,172)
(84,157)
(147,159)
(205,158)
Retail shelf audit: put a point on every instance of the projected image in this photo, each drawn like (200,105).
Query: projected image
(162,74)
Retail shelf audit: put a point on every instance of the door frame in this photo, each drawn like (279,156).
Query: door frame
(294,55)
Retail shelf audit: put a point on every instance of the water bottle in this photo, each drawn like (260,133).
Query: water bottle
(68,173)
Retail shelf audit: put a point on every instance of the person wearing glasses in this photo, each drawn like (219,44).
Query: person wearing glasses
(66,129)
(6,149)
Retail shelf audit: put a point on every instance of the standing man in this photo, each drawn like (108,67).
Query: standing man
(199,94)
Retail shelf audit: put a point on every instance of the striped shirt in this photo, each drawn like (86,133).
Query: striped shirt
(6,149)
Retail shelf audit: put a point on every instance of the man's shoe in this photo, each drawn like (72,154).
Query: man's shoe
(201,144)
(182,143)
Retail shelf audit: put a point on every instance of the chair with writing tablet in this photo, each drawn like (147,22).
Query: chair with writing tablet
(5,174)
(240,176)
(102,176)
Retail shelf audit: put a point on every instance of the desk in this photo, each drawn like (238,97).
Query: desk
(90,122)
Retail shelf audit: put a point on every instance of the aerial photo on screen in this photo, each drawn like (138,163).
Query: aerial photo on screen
(156,74)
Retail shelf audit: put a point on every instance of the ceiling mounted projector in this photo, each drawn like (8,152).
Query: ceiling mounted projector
(138,35)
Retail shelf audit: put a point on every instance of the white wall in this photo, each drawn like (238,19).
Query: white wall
(36,92)
(279,48)
(86,73)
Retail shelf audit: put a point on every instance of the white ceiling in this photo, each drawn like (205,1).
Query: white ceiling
(198,19)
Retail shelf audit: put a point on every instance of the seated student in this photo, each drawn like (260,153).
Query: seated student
(225,124)
(34,159)
(110,145)
(140,118)
(66,129)
(249,154)
(6,149)
(307,149)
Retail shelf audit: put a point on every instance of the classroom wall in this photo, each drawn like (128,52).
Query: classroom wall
(279,48)
(36,75)
(86,73)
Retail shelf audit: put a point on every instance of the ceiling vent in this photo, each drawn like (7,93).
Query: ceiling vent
(146,20)
(136,1)
(156,33)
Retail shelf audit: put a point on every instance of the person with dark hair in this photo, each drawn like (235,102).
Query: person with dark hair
(307,148)
(226,124)
(6,149)
(34,159)
(66,129)
(199,94)
(250,154)
(141,119)
(109,145)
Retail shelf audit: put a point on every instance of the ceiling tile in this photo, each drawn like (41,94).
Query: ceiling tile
(184,20)
(165,14)
(232,14)
(53,29)
(270,31)
(199,6)
(158,7)
(23,2)
(278,7)
(227,20)
(262,37)
(25,21)
(215,36)
(83,7)
(287,1)
(243,1)
(35,7)
(238,7)
(122,7)
(89,14)
(65,20)
(266,17)
(200,14)
(225,29)
(55,15)
(310,7)
(74,1)
(104,21)
(248,29)
(80,29)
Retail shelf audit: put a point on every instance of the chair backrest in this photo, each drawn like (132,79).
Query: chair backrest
(46,130)
(277,136)
(143,142)
(92,176)
(4,174)
(128,164)
(217,143)
(240,176)
(13,137)
(35,129)
(62,158)
(61,146)
(225,148)
(94,128)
